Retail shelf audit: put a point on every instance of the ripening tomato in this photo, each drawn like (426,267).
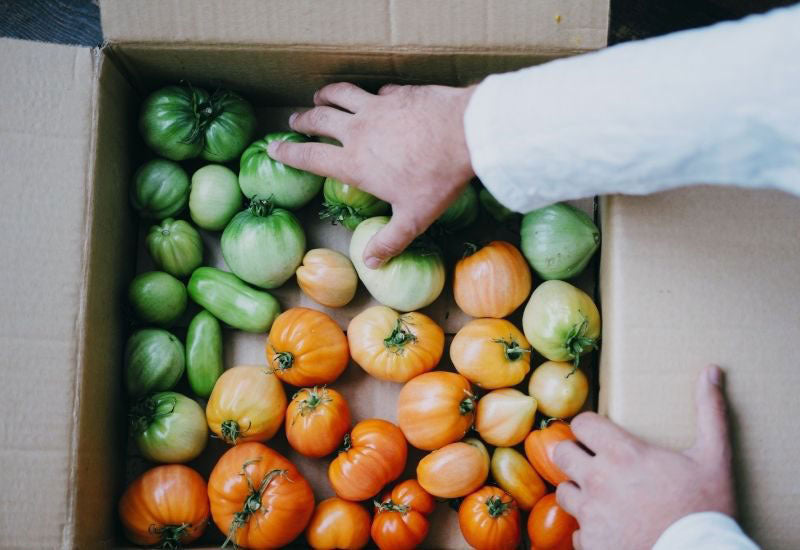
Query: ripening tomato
(327,277)
(489,520)
(306,347)
(393,346)
(338,523)
(549,526)
(165,506)
(515,475)
(435,408)
(492,281)
(401,521)
(246,404)
(491,353)
(455,470)
(316,421)
(259,498)
(504,417)
(559,388)
(374,454)
(539,447)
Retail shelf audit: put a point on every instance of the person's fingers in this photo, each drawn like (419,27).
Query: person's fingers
(391,240)
(387,89)
(598,433)
(318,158)
(343,94)
(569,497)
(712,443)
(322,121)
(576,540)
(572,460)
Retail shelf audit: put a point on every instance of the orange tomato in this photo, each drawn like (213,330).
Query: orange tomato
(401,521)
(489,520)
(515,475)
(491,353)
(246,404)
(316,421)
(375,454)
(559,388)
(435,408)
(393,346)
(327,277)
(259,498)
(539,447)
(493,281)
(549,526)
(306,347)
(455,470)
(504,417)
(166,506)
(338,523)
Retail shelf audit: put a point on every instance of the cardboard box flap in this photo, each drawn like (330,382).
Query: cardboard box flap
(546,26)
(45,135)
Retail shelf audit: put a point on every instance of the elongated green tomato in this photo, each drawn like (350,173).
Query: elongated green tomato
(203,353)
(348,205)
(175,246)
(157,297)
(496,210)
(169,427)
(160,189)
(215,197)
(260,176)
(154,361)
(558,240)
(462,212)
(263,245)
(411,280)
(232,301)
(561,322)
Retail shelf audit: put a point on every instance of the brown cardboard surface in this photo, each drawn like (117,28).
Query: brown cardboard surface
(700,276)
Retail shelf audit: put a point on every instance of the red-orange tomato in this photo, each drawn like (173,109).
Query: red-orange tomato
(307,347)
(549,526)
(165,505)
(401,521)
(338,523)
(316,421)
(375,454)
(539,447)
(492,282)
(489,520)
(258,498)
(435,408)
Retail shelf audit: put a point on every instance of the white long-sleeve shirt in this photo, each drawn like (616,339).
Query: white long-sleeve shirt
(719,105)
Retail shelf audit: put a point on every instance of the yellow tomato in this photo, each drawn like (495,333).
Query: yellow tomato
(514,474)
(455,470)
(504,417)
(559,388)
(327,277)
(491,353)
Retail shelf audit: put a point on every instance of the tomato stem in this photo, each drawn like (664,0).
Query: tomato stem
(389,505)
(469,250)
(171,535)
(316,397)
(577,343)
(467,405)
(511,348)
(285,359)
(144,412)
(231,431)
(253,501)
(400,336)
(339,213)
(347,443)
(261,207)
(497,507)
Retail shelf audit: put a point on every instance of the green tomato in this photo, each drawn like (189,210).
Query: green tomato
(496,210)
(157,297)
(262,177)
(558,240)
(183,122)
(232,301)
(175,246)
(462,212)
(154,361)
(263,245)
(215,197)
(407,282)
(169,427)
(203,353)
(349,205)
(160,189)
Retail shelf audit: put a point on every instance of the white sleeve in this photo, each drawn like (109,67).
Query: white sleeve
(704,531)
(719,105)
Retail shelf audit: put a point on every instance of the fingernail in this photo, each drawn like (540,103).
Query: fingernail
(373,262)
(292,117)
(272,147)
(715,375)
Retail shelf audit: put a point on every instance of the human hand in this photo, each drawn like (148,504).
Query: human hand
(405,145)
(629,492)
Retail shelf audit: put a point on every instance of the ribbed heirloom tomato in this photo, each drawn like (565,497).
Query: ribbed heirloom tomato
(306,347)
(165,506)
(492,353)
(540,445)
(515,475)
(489,520)
(316,421)
(435,408)
(374,454)
(338,523)
(549,526)
(401,521)
(393,346)
(258,498)
(455,470)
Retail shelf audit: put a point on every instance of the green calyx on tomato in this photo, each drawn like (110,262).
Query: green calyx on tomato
(400,336)
(578,343)
(316,397)
(496,506)
(148,409)
(253,501)
(511,348)
(231,431)
(285,360)
(349,206)
(168,427)
(467,405)
(389,505)
(171,535)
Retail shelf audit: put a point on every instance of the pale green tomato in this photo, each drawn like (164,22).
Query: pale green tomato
(169,427)
(175,246)
(214,197)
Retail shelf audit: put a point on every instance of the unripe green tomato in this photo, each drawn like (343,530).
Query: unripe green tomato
(157,298)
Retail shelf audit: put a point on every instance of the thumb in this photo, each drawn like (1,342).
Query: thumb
(712,443)
(390,241)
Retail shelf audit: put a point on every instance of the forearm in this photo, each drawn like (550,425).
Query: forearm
(717,105)
(706,531)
